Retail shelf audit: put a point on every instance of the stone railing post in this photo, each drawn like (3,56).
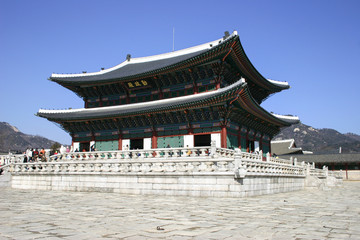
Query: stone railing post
(325,170)
(268,157)
(213,149)
(308,169)
(240,170)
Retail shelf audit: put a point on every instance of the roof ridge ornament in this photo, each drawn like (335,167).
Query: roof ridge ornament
(226,35)
(128,57)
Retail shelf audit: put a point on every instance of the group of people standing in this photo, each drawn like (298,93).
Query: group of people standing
(33,154)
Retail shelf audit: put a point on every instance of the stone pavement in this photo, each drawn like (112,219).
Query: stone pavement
(307,214)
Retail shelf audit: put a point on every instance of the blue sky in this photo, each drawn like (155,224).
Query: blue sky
(314,45)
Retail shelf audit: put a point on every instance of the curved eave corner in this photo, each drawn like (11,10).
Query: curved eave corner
(290,120)
(247,102)
(282,85)
(275,86)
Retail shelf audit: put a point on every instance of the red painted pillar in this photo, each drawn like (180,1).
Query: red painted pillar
(154,141)
(346,169)
(239,139)
(101,102)
(223,135)
(247,141)
(120,142)
(269,142)
(217,85)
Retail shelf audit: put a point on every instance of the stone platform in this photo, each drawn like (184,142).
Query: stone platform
(305,214)
(198,171)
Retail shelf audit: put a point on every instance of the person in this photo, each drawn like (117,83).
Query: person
(62,149)
(93,148)
(29,154)
(42,155)
(35,154)
(67,149)
(56,153)
(170,153)
(188,152)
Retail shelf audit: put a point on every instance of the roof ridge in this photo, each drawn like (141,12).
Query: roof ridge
(162,56)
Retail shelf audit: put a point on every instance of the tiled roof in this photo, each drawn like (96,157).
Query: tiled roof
(327,158)
(284,147)
(136,66)
(146,107)
(206,98)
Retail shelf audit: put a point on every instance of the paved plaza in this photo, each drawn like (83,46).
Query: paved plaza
(307,214)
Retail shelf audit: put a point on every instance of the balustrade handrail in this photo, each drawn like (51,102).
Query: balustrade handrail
(194,159)
(146,153)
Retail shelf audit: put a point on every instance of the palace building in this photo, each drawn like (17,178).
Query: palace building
(185,98)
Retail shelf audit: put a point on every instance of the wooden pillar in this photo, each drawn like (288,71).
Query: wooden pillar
(120,141)
(217,86)
(247,141)
(346,170)
(239,139)
(196,90)
(269,142)
(223,136)
(154,140)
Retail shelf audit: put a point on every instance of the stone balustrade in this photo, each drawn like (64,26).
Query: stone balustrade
(11,158)
(166,160)
(175,166)
(199,152)
(197,160)
(254,167)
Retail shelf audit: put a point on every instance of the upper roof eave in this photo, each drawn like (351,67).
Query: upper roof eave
(141,65)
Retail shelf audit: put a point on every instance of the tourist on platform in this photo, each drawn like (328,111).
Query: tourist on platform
(62,149)
(170,153)
(29,155)
(35,154)
(25,158)
(92,149)
(67,149)
(42,155)
(188,152)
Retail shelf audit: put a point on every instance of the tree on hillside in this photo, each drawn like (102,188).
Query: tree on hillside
(56,146)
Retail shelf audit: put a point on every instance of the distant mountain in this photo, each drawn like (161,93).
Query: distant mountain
(319,141)
(11,139)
